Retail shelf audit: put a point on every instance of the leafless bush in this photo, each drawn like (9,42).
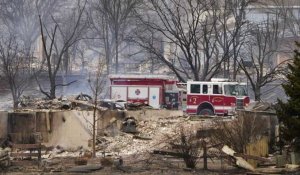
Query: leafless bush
(238,133)
(187,145)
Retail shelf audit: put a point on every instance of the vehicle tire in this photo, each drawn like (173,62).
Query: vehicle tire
(206,112)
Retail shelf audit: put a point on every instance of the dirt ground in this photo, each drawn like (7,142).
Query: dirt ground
(152,164)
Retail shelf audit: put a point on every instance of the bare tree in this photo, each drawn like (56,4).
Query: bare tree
(104,40)
(15,66)
(230,15)
(81,54)
(289,17)
(96,83)
(190,30)
(19,21)
(111,20)
(20,17)
(260,49)
(289,14)
(57,40)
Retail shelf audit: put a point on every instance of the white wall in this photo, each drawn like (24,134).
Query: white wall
(70,129)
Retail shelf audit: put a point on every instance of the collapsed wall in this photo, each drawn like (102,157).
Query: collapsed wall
(3,125)
(69,129)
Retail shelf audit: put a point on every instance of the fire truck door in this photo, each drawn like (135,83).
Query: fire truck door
(154,97)
(217,99)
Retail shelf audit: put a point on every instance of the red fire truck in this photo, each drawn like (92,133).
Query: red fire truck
(216,97)
(153,90)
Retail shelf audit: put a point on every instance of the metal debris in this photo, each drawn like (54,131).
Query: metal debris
(129,125)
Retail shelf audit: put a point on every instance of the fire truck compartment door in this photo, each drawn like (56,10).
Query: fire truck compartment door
(217,101)
(154,97)
(119,93)
(138,92)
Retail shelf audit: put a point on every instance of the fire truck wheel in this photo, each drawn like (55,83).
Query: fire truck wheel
(206,112)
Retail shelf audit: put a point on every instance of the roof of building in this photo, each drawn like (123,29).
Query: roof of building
(142,76)
(276,3)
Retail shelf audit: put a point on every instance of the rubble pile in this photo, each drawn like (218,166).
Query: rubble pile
(4,157)
(260,106)
(151,134)
(137,106)
(139,136)
(39,103)
(68,103)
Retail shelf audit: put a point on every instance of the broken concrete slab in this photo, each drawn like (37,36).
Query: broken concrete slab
(292,166)
(260,107)
(106,161)
(142,137)
(84,168)
(81,161)
(239,160)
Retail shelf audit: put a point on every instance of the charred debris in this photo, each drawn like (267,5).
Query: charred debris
(55,136)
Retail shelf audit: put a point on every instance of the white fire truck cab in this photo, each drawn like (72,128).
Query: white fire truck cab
(216,97)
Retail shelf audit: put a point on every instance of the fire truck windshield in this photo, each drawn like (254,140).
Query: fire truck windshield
(235,90)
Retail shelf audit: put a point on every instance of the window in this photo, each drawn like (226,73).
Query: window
(217,89)
(242,90)
(235,90)
(195,88)
(167,99)
(230,90)
(204,89)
